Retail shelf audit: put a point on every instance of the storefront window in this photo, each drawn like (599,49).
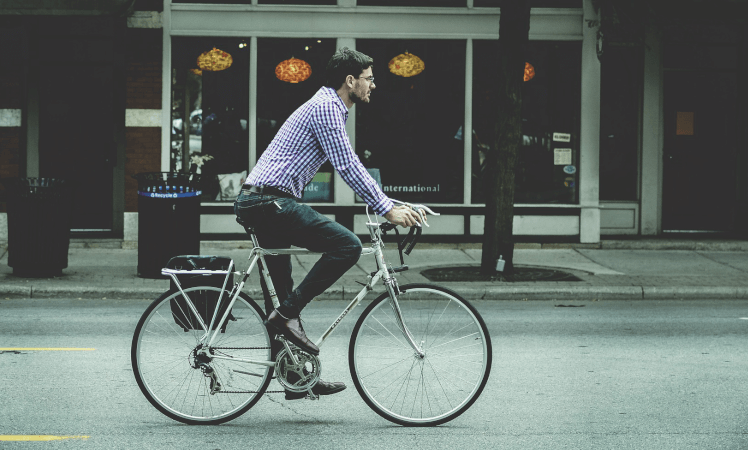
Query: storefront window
(620,96)
(209,114)
(408,130)
(547,164)
(426,3)
(278,99)
(216,2)
(261,2)
(533,3)
(298,2)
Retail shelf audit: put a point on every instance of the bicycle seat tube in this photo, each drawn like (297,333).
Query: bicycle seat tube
(265,273)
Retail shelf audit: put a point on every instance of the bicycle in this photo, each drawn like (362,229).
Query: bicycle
(419,354)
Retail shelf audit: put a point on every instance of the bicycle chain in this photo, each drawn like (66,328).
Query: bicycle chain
(249,392)
(240,348)
(245,392)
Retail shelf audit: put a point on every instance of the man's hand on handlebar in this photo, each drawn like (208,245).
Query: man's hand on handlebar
(404,216)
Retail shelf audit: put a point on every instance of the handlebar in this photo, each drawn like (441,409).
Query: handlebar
(406,245)
(422,210)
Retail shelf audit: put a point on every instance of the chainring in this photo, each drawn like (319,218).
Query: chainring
(297,377)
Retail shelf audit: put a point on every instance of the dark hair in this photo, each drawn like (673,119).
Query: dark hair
(343,63)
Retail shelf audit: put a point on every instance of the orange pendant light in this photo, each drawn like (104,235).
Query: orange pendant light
(406,65)
(529,71)
(293,70)
(214,60)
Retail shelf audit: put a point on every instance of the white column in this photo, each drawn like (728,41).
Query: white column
(344,195)
(166,90)
(252,119)
(467,129)
(589,139)
(652,137)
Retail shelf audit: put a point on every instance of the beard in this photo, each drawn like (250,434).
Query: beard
(355,98)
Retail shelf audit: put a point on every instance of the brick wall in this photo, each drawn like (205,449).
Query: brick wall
(10,147)
(143,84)
(141,157)
(11,98)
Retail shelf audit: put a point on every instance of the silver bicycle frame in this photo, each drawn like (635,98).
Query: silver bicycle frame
(257,255)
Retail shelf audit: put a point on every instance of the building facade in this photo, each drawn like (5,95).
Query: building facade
(620,137)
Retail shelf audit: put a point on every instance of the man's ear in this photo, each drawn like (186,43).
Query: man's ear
(349,81)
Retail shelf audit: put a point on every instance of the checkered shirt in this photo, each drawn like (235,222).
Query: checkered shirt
(312,135)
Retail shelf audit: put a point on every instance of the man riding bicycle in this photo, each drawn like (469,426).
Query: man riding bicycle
(268,202)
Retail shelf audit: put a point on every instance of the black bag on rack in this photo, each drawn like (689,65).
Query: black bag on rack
(204,301)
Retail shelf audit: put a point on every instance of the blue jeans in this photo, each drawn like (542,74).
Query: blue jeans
(281,222)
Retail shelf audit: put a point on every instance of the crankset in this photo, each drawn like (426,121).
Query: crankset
(297,370)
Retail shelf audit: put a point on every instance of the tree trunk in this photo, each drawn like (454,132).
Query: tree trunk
(501,159)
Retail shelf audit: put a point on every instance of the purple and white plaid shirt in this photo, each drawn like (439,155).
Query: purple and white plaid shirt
(313,134)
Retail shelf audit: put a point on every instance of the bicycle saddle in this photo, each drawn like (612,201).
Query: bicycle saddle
(249,230)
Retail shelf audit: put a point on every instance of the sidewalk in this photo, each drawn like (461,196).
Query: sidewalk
(627,269)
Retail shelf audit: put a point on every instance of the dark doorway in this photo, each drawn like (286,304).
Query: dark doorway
(77,114)
(700,154)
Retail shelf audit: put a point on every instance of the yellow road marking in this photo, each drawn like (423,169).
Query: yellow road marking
(41,437)
(31,349)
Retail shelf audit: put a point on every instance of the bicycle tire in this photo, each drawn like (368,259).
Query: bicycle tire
(168,374)
(412,391)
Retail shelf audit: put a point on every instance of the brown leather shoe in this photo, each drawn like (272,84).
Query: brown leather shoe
(293,331)
(321,388)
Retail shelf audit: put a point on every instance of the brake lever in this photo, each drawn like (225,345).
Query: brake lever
(422,210)
(413,235)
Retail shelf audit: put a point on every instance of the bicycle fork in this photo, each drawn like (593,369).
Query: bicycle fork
(393,289)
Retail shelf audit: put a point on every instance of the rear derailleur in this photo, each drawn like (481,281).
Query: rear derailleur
(200,358)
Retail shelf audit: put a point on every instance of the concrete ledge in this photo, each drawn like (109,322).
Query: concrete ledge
(95,292)
(339,292)
(693,292)
(15,291)
(661,244)
(96,243)
(562,293)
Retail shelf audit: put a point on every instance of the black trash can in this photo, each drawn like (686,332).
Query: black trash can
(39,212)
(168,219)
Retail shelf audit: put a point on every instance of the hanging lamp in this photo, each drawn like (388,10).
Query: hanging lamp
(529,71)
(214,60)
(293,70)
(406,65)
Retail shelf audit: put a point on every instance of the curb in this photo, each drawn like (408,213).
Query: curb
(491,293)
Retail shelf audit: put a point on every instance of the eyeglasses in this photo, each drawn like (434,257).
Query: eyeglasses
(369,79)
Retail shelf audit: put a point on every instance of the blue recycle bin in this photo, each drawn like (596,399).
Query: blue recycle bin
(168,219)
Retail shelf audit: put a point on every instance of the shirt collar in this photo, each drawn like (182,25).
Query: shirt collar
(332,93)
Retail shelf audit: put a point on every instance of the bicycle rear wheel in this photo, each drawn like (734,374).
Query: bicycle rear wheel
(194,388)
(405,388)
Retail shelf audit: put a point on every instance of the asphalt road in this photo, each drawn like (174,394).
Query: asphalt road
(601,375)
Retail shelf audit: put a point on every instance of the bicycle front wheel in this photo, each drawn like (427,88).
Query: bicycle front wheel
(188,380)
(404,387)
